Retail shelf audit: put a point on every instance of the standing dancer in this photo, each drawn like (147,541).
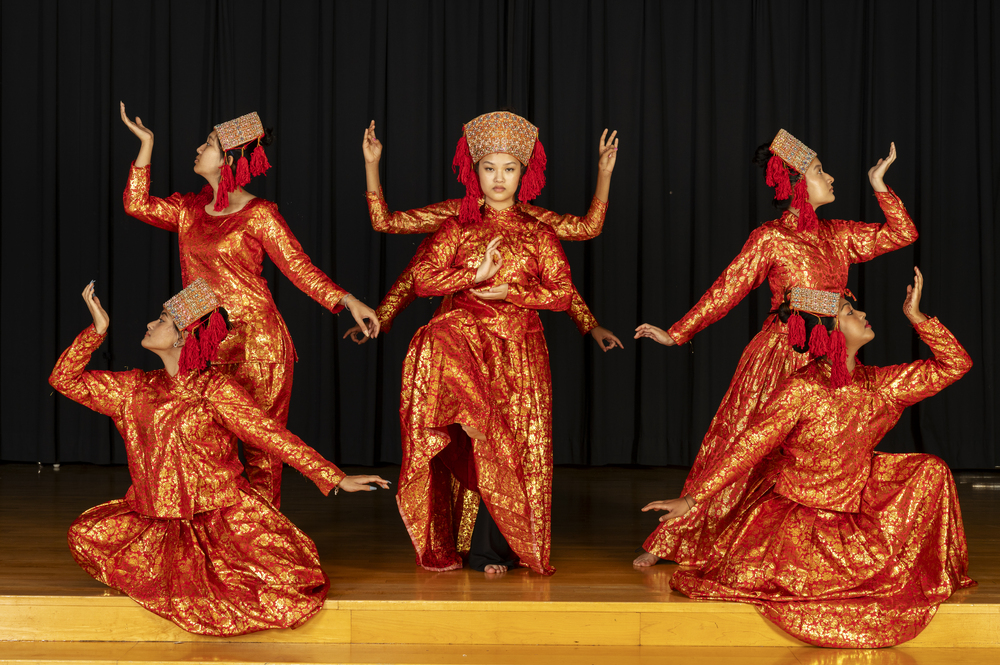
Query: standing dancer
(224,232)
(841,546)
(191,541)
(795,250)
(476,407)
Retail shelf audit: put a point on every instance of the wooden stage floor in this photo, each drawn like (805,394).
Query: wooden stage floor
(597,528)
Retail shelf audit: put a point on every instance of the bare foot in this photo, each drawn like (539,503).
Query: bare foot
(475,434)
(494,569)
(645,559)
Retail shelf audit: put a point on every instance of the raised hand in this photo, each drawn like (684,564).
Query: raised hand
(605,339)
(608,151)
(654,333)
(877,172)
(144,133)
(911,306)
(101,319)
(360,483)
(492,261)
(498,292)
(371,146)
(673,507)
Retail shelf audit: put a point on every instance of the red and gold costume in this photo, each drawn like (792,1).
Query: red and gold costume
(403,293)
(483,364)
(837,544)
(191,540)
(786,257)
(228,252)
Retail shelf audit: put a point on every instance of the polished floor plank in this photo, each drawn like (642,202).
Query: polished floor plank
(77,653)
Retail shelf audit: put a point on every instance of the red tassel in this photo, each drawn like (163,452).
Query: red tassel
(777,177)
(226,185)
(462,165)
(213,334)
(796,330)
(839,376)
(190,355)
(819,341)
(534,178)
(242,171)
(807,215)
(258,161)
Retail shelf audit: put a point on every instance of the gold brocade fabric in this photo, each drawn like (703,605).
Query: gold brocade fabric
(402,294)
(228,252)
(838,545)
(191,540)
(430,218)
(482,364)
(785,257)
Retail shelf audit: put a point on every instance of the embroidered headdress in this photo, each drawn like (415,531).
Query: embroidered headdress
(239,133)
(833,346)
(490,133)
(196,310)
(789,152)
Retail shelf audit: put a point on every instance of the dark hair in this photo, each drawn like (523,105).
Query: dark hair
(761,157)
(784,313)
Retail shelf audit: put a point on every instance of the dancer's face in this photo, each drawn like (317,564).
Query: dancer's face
(499,175)
(161,334)
(819,184)
(854,324)
(209,158)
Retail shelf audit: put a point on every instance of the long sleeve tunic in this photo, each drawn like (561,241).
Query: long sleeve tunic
(228,251)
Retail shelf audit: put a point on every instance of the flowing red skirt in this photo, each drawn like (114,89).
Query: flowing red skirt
(867,579)
(230,571)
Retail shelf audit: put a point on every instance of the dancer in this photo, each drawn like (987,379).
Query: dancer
(796,250)
(224,232)
(476,407)
(840,546)
(191,540)
(403,293)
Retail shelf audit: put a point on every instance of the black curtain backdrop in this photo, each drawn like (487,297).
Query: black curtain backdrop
(692,87)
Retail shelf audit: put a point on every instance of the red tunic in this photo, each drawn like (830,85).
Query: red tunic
(191,541)
(228,252)
(785,257)
(483,364)
(838,545)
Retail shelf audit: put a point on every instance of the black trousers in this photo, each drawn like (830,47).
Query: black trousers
(488,544)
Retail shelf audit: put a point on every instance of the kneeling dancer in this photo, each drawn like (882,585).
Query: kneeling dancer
(839,545)
(191,540)
(476,406)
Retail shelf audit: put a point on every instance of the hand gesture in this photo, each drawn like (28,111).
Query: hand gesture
(492,261)
(360,312)
(357,334)
(877,172)
(654,333)
(360,483)
(605,339)
(144,133)
(911,306)
(673,507)
(608,152)
(371,146)
(498,292)
(101,319)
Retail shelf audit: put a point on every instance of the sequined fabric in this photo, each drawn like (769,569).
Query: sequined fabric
(228,252)
(839,545)
(792,151)
(430,218)
(191,540)
(786,258)
(239,131)
(482,364)
(500,131)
